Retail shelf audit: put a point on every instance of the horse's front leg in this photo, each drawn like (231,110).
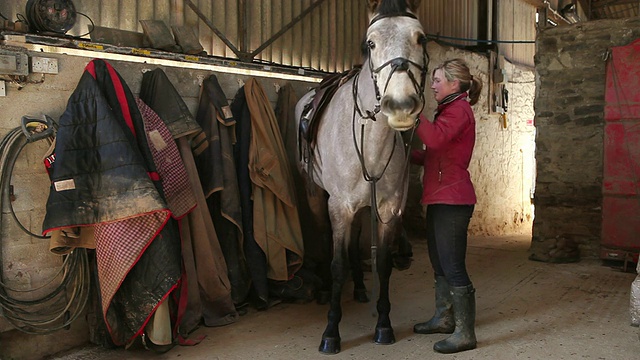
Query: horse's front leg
(341,225)
(384,331)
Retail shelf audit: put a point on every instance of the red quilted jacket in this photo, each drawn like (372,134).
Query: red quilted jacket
(449,140)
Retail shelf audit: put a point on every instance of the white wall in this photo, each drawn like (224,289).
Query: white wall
(503,165)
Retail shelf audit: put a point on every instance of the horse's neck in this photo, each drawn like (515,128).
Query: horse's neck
(366,90)
(367,102)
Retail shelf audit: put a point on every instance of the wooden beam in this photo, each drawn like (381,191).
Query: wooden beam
(604,3)
(536,3)
(286,27)
(483,22)
(203,17)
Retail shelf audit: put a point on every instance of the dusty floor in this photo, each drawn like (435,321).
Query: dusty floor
(525,310)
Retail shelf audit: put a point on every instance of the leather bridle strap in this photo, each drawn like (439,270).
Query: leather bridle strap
(407,14)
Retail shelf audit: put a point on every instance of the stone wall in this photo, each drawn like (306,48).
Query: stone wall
(569,107)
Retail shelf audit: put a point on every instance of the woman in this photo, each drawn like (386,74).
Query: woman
(450,198)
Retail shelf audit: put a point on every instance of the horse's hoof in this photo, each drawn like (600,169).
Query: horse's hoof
(384,336)
(329,345)
(323,297)
(360,295)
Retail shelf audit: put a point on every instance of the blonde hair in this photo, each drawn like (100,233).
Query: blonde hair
(457,69)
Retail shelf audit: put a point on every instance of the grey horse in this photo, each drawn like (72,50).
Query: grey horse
(357,157)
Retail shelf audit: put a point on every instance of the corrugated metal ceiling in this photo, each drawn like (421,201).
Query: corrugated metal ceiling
(592,9)
(612,9)
(328,37)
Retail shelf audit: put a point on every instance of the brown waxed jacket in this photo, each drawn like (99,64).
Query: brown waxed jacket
(276,223)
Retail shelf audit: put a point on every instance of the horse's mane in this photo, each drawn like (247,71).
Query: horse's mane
(391,7)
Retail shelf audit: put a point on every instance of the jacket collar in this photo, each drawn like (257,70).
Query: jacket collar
(449,99)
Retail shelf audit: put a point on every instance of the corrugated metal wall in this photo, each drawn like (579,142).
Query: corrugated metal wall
(327,39)
(451,18)
(459,19)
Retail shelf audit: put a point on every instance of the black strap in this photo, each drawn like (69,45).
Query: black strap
(379,17)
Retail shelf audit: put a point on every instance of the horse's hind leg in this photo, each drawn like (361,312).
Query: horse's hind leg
(355,260)
(341,225)
(384,331)
(319,246)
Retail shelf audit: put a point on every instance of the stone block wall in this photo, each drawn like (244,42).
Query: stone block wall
(569,106)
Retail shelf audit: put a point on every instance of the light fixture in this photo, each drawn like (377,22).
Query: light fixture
(266,71)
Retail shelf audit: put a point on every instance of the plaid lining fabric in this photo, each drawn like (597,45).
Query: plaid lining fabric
(175,183)
(119,245)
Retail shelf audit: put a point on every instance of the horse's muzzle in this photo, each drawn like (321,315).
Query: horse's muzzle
(402,123)
(407,104)
(401,113)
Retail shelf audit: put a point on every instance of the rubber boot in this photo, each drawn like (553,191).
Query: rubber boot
(442,321)
(464,313)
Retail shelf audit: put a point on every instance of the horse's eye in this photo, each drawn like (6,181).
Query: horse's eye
(422,39)
(371,44)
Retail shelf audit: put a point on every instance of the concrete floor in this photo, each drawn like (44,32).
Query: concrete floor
(525,310)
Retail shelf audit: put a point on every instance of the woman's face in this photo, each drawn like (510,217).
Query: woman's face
(442,87)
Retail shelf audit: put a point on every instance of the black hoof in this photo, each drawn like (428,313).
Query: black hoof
(323,297)
(360,295)
(384,336)
(329,345)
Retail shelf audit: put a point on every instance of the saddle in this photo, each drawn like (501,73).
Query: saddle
(312,111)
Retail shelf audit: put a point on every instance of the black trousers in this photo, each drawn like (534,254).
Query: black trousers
(447,241)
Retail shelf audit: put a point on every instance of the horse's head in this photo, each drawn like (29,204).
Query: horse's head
(397,58)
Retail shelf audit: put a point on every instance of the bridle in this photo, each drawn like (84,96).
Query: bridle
(399,63)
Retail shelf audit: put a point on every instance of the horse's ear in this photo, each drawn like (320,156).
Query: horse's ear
(413,5)
(372,6)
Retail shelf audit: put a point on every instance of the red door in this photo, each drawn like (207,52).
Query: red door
(621,183)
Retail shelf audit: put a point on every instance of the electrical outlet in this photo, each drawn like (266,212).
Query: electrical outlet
(44,65)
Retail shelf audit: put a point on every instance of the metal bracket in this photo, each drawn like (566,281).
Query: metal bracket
(14,63)
(240,53)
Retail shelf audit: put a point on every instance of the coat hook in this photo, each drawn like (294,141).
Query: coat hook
(200,79)
(277,86)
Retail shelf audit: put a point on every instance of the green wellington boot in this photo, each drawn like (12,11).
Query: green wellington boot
(464,313)
(442,321)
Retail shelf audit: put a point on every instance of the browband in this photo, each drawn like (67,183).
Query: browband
(408,14)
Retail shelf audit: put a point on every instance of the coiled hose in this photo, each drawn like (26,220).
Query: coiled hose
(63,304)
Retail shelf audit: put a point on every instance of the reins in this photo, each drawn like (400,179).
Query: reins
(401,64)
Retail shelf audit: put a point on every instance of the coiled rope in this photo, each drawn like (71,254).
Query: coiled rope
(33,311)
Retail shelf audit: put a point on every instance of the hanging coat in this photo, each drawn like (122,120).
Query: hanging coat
(285,114)
(217,172)
(103,176)
(276,225)
(208,288)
